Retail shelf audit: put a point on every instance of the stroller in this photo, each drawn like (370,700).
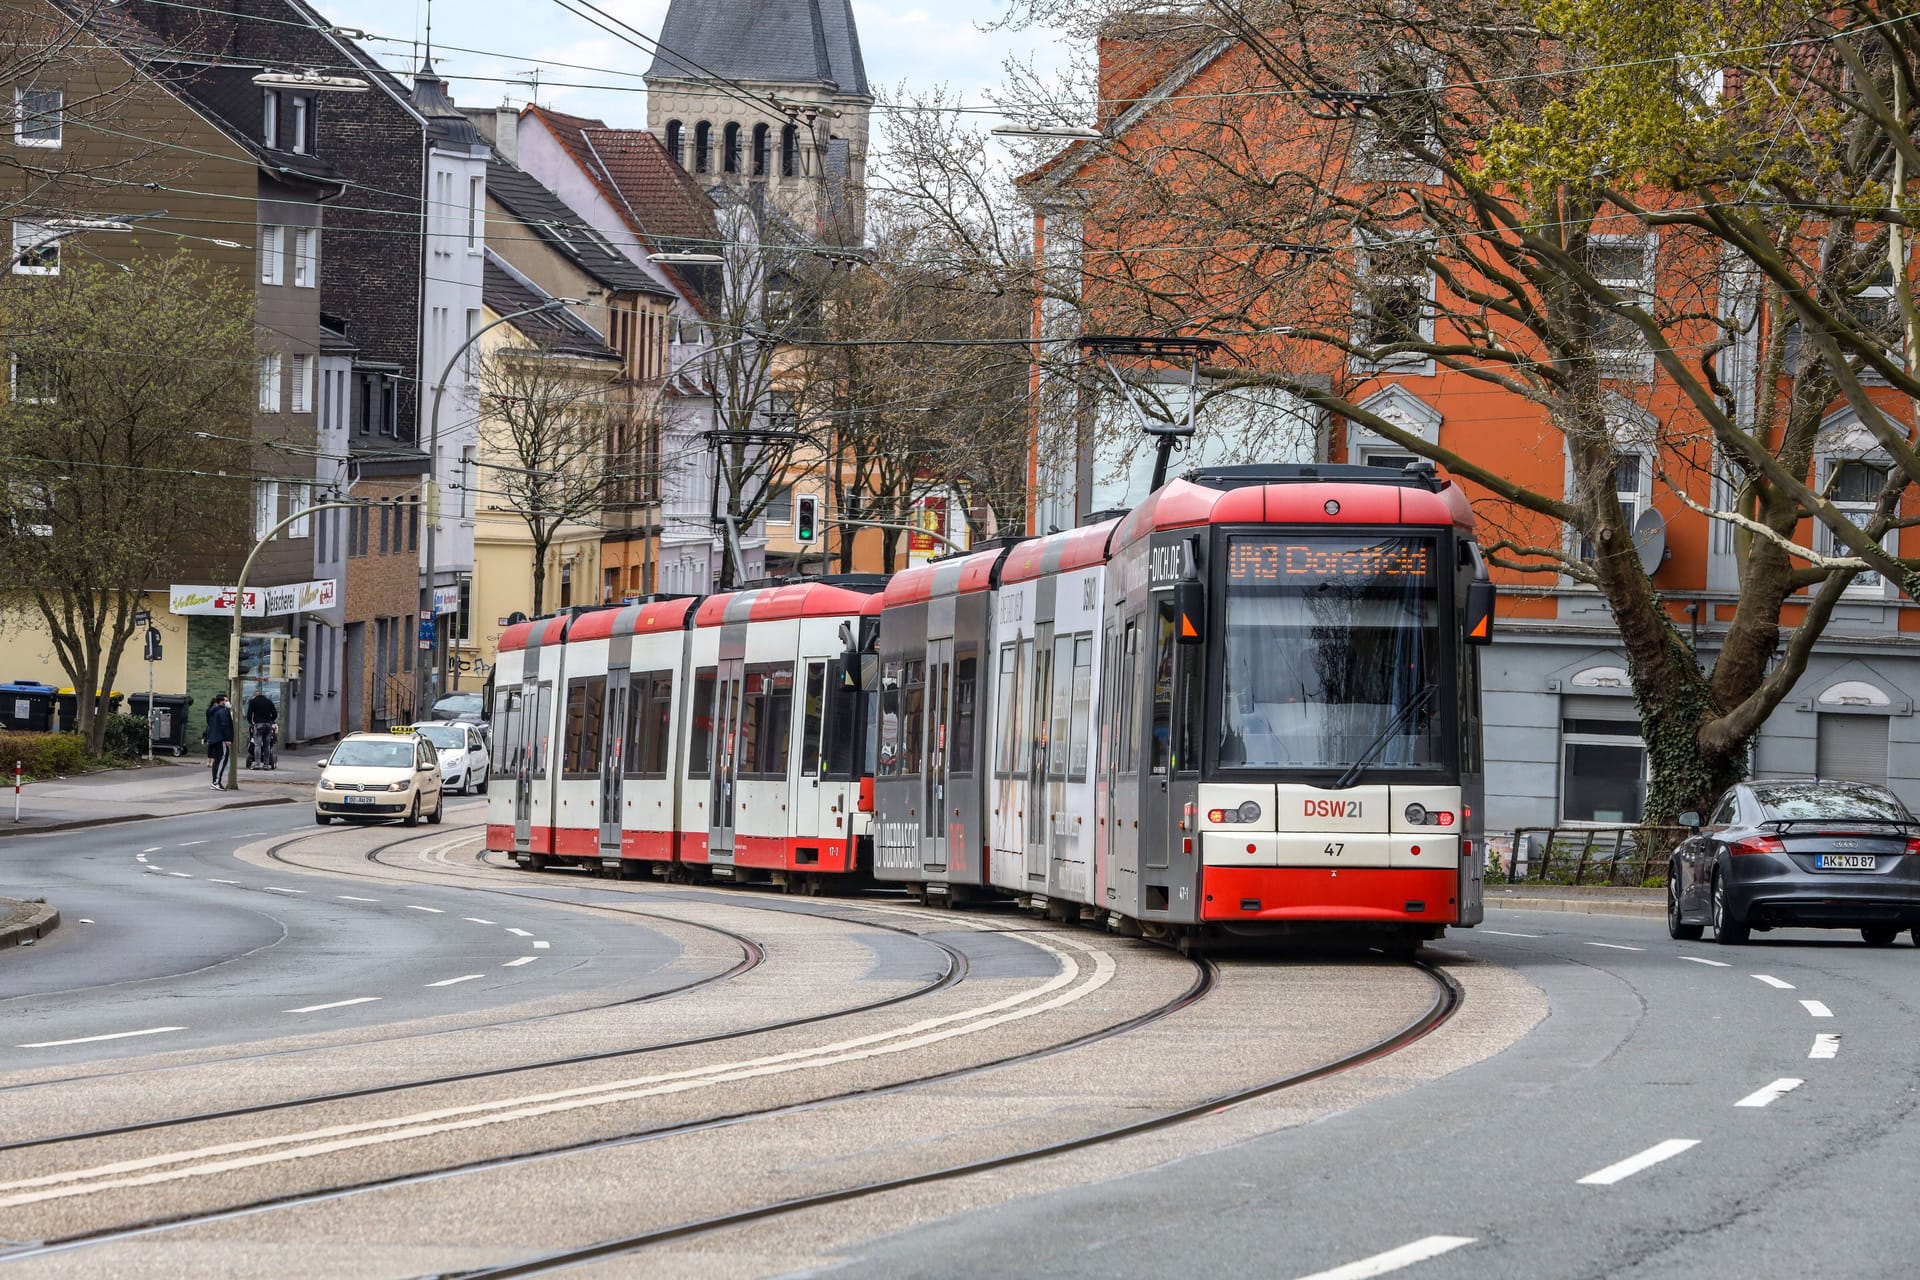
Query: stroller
(260,746)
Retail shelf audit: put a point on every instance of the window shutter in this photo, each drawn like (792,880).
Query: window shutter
(1853,748)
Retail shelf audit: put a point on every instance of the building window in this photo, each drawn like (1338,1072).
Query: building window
(1630,477)
(306,258)
(1854,487)
(1625,269)
(566,584)
(270,383)
(676,145)
(413,524)
(1393,304)
(269,255)
(702,147)
(30,383)
(36,248)
(790,151)
(298,126)
(389,408)
(299,498)
(38,116)
(270,118)
(476,214)
(266,508)
(730,148)
(1397,131)
(760,142)
(780,504)
(1603,763)
(302,390)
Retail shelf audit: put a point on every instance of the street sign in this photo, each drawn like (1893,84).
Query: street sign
(141,617)
(426,632)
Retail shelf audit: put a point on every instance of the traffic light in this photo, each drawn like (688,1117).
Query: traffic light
(276,657)
(296,655)
(806,515)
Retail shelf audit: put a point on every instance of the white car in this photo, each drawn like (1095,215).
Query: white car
(464,761)
(380,776)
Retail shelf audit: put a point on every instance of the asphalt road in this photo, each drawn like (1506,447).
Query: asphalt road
(168,942)
(1678,1114)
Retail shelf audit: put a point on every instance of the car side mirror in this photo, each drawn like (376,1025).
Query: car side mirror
(1690,820)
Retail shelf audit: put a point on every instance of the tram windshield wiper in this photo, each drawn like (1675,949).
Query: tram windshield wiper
(1374,748)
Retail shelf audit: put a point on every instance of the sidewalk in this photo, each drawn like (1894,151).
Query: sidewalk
(164,789)
(1596,900)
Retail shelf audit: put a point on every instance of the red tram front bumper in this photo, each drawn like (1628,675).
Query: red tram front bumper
(1317,893)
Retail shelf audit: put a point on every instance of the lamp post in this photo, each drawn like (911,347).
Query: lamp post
(431,488)
(234,682)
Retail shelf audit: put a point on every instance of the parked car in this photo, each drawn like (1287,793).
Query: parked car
(464,763)
(460,706)
(1802,854)
(380,776)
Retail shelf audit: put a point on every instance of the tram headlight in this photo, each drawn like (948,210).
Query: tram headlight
(1416,815)
(1249,811)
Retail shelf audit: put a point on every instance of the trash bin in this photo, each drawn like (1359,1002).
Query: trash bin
(67,704)
(169,718)
(27,704)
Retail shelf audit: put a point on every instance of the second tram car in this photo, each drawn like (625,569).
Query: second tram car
(1251,705)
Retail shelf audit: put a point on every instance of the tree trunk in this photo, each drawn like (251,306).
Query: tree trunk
(539,576)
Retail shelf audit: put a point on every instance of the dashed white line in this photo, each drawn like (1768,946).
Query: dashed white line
(448,982)
(541,946)
(336,1004)
(1633,1164)
(1615,946)
(1502,933)
(188,844)
(117,1035)
(1393,1259)
(1773,982)
(350,898)
(139,857)
(514,964)
(211,881)
(152,848)
(183,875)
(1817,1009)
(519,933)
(475,920)
(1773,1092)
(1825,1046)
(274,888)
(1718,964)
(415,907)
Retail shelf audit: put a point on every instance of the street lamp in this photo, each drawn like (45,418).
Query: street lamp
(1065,131)
(431,489)
(687,259)
(310,79)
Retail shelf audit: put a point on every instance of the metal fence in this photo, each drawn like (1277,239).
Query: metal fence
(1597,855)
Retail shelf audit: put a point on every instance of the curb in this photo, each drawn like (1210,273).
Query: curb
(80,824)
(32,929)
(1584,907)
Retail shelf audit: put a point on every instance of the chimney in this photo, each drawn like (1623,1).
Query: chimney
(500,126)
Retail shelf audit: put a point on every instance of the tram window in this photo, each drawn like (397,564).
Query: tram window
(586,710)
(1082,711)
(508,726)
(913,717)
(841,733)
(752,721)
(965,686)
(813,714)
(1186,713)
(649,701)
(700,723)
(774,734)
(891,760)
(1129,700)
(1062,731)
(1160,749)
(1007,716)
(539,729)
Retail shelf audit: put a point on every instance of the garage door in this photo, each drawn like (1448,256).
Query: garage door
(1853,748)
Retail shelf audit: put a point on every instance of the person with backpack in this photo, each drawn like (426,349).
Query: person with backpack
(263,725)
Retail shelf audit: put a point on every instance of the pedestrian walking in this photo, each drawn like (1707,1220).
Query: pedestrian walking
(263,724)
(219,738)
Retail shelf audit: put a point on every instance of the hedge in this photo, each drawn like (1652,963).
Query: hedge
(43,755)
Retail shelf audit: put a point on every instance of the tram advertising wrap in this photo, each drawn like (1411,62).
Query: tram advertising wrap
(1249,707)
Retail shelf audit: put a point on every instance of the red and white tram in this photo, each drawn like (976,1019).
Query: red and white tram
(1251,705)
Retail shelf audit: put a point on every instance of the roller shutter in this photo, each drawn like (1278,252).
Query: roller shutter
(1853,748)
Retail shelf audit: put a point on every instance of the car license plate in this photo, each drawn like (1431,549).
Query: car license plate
(369,800)
(1845,861)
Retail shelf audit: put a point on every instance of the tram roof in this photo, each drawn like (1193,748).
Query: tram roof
(791,600)
(958,576)
(1182,504)
(1059,552)
(531,635)
(636,619)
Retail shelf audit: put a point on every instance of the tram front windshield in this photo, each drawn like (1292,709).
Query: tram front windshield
(1329,643)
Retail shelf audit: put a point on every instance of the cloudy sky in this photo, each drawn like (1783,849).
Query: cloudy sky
(487,48)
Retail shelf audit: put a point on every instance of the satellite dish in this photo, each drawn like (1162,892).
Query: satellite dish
(1650,538)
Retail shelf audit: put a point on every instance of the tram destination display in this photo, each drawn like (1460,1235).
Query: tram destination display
(1257,560)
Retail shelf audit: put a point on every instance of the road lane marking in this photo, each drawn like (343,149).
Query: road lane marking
(475,920)
(1825,1046)
(1773,982)
(1502,933)
(183,875)
(274,888)
(223,882)
(336,1004)
(188,844)
(435,910)
(1394,1259)
(541,946)
(139,857)
(150,1170)
(350,898)
(1817,1009)
(152,848)
(1778,1089)
(519,933)
(118,1035)
(1718,964)
(514,964)
(1633,1164)
(448,982)
(1615,946)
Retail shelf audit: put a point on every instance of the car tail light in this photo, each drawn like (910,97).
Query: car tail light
(1913,844)
(1758,844)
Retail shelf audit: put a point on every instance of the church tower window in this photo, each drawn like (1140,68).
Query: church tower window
(790,152)
(703,147)
(676,145)
(760,151)
(730,149)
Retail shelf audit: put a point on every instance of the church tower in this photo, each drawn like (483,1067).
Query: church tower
(768,94)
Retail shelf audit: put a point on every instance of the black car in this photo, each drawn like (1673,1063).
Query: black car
(1801,854)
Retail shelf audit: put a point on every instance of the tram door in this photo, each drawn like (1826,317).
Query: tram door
(1039,819)
(731,682)
(510,729)
(939,812)
(1156,828)
(537,738)
(612,746)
